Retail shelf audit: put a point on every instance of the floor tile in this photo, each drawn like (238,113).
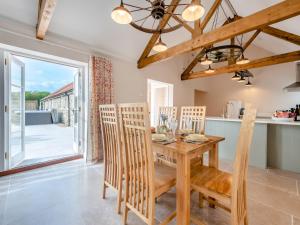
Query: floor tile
(260,214)
(296,221)
(282,183)
(279,200)
(70,193)
(285,173)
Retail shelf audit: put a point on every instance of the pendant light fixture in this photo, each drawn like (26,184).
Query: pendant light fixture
(249,84)
(236,76)
(121,15)
(209,70)
(241,80)
(206,61)
(243,60)
(193,11)
(160,46)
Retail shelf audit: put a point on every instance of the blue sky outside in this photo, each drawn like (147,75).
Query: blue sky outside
(45,76)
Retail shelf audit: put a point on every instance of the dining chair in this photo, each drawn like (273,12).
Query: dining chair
(229,191)
(194,114)
(113,165)
(144,180)
(170,111)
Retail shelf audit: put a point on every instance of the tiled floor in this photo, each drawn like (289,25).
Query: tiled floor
(69,194)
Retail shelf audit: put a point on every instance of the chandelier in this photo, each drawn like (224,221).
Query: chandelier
(147,15)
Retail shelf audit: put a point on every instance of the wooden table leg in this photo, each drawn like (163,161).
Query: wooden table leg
(183,190)
(214,157)
(214,162)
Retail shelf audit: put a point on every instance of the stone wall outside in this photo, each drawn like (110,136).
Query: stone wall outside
(62,106)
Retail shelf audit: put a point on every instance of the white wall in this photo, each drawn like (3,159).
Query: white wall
(267,93)
(131,83)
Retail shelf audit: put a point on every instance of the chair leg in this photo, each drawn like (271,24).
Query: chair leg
(151,221)
(201,201)
(119,200)
(125,214)
(104,190)
(120,189)
(246,219)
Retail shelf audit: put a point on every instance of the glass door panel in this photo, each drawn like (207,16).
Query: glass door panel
(16,122)
(77,112)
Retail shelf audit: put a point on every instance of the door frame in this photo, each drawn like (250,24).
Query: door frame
(83,70)
(169,97)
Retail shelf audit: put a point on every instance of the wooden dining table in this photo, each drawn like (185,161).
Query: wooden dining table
(184,152)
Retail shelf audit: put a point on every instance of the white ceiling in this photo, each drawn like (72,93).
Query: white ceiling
(89,21)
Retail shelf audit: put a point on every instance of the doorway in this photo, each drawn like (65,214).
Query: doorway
(43,102)
(159,94)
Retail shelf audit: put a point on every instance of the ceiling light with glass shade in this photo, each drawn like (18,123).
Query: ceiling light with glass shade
(235,77)
(160,46)
(249,84)
(193,11)
(209,70)
(206,61)
(241,80)
(121,15)
(243,60)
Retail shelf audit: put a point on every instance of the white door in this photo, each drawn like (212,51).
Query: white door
(159,94)
(77,112)
(15,110)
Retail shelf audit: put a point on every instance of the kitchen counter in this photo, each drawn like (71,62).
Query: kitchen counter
(275,143)
(263,121)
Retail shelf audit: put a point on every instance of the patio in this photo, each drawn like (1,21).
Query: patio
(46,142)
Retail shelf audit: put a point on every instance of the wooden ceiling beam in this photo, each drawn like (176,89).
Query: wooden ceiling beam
(209,14)
(184,24)
(191,66)
(249,42)
(257,63)
(292,38)
(278,33)
(161,25)
(270,15)
(46,11)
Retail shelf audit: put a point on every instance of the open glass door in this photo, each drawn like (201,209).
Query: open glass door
(77,111)
(16,110)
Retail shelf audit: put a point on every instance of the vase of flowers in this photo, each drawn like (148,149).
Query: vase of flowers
(162,129)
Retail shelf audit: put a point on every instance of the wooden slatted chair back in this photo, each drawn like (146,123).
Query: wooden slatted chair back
(113,162)
(170,111)
(139,164)
(239,185)
(195,114)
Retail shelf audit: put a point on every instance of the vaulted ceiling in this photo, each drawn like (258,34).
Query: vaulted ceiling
(89,22)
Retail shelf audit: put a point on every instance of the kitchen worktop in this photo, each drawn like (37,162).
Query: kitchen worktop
(259,120)
(275,143)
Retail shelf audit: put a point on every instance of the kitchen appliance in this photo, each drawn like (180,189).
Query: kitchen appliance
(233,108)
(295,87)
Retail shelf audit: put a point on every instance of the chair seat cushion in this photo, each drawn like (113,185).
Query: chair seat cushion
(210,180)
(165,178)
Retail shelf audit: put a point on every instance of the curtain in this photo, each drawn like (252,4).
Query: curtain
(101,86)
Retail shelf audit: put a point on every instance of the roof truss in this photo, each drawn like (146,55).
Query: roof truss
(258,22)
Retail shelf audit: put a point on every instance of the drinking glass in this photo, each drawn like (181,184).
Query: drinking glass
(173,124)
(189,124)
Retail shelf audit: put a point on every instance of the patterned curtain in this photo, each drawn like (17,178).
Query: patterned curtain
(101,93)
